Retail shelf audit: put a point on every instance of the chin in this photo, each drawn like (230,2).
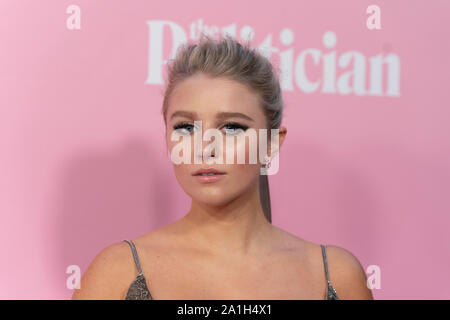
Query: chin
(217,197)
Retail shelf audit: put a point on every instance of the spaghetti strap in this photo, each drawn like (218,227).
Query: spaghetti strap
(330,293)
(135,255)
(324,255)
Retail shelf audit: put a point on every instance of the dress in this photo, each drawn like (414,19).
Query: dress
(138,289)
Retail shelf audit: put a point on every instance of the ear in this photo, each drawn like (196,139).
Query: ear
(274,148)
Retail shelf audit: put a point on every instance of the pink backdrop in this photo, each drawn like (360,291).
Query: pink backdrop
(365,166)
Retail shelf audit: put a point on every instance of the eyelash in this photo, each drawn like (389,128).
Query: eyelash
(233,125)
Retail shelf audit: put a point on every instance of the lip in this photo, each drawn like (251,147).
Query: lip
(207,170)
(217,175)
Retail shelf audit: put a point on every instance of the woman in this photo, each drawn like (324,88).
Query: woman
(225,247)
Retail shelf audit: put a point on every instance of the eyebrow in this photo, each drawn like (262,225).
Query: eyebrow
(220,115)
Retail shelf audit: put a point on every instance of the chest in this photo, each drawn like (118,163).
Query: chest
(190,277)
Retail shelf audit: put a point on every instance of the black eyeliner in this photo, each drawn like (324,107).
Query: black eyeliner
(233,125)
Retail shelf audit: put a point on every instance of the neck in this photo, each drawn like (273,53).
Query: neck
(236,229)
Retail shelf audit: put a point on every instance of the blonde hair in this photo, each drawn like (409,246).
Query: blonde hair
(227,58)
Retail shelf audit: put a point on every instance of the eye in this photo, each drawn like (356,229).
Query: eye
(183,128)
(234,128)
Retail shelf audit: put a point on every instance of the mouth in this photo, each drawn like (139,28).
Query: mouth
(208,175)
(208,172)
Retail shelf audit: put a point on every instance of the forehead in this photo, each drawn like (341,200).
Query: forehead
(206,96)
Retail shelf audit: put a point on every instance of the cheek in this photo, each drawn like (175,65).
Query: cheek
(181,149)
(239,149)
(239,178)
(181,171)
(245,149)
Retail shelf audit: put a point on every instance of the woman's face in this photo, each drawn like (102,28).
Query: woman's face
(232,109)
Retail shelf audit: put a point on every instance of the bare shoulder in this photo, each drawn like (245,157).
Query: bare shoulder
(347,275)
(167,236)
(293,243)
(108,275)
(345,270)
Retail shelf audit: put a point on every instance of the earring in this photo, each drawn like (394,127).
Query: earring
(267,164)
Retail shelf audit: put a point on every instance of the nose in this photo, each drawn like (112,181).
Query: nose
(209,144)
(207,150)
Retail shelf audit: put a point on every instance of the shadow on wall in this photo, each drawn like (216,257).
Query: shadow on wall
(336,204)
(106,197)
(324,198)
(383,201)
